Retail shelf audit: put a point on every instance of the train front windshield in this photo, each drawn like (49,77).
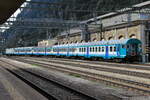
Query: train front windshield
(134,49)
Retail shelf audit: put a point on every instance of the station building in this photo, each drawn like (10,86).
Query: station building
(46,43)
(112,26)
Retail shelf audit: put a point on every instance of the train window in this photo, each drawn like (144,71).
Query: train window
(70,49)
(79,49)
(128,46)
(63,49)
(140,46)
(93,49)
(133,46)
(114,49)
(90,49)
(99,49)
(102,49)
(74,49)
(96,49)
(111,49)
(59,49)
(55,49)
(123,46)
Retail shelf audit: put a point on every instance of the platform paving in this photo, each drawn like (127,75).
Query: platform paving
(12,88)
(4,95)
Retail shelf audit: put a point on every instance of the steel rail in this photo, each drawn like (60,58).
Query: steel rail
(142,87)
(108,69)
(42,91)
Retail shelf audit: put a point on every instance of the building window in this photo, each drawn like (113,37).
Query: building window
(110,38)
(121,37)
(81,41)
(102,39)
(94,39)
(76,41)
(132,36)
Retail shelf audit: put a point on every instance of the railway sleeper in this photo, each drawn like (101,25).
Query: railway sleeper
(106,77)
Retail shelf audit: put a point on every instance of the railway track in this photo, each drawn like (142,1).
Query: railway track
(128,71)
(141,85)
(126,65)
(43,84)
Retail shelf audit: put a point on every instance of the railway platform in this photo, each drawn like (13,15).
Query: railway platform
(11,88)
(4,93)
(148,63)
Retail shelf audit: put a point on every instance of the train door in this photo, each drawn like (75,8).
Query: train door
(118,50)
(68,51)
(87,52)
(106,53)
(45,51)
(57,50)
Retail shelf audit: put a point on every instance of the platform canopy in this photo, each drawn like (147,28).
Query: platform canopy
(8,7)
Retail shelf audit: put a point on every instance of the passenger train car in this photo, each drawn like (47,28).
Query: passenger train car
(126,49)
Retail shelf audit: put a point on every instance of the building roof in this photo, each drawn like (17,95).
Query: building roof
(8,7)
(114,20)
(143,4)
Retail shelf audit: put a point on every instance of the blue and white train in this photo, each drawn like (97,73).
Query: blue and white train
(126,49)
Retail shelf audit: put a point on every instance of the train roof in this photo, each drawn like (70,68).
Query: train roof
(110,42)
(22,48)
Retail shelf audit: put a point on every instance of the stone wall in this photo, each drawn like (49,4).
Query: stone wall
(112,34)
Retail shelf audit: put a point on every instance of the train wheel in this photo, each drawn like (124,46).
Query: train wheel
(118,60)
